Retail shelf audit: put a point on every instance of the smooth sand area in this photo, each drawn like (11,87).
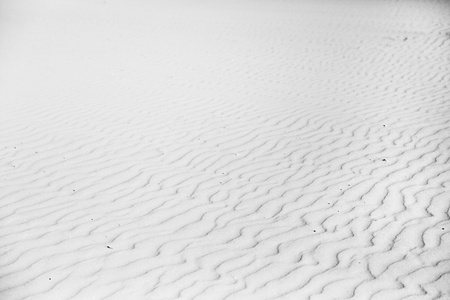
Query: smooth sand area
(273,149)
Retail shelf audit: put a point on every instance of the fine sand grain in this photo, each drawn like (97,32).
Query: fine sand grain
(272,149)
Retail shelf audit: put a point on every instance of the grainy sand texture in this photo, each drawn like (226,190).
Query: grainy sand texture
(206,149)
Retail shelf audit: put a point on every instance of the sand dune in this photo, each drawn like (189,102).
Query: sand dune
(224,149)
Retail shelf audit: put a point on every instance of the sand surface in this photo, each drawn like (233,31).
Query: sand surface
(272,149)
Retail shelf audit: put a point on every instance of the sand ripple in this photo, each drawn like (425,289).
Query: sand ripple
(233,150)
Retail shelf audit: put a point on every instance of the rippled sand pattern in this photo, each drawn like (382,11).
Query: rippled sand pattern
(224,149)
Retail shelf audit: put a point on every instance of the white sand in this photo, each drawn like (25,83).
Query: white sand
(224,149)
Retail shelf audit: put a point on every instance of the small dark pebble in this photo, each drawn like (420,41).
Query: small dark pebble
(442,228)
(314,231)
(108,247)
(384,159)
(50,279)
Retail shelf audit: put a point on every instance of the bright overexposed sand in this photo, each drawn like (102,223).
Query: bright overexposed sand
(238,149)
